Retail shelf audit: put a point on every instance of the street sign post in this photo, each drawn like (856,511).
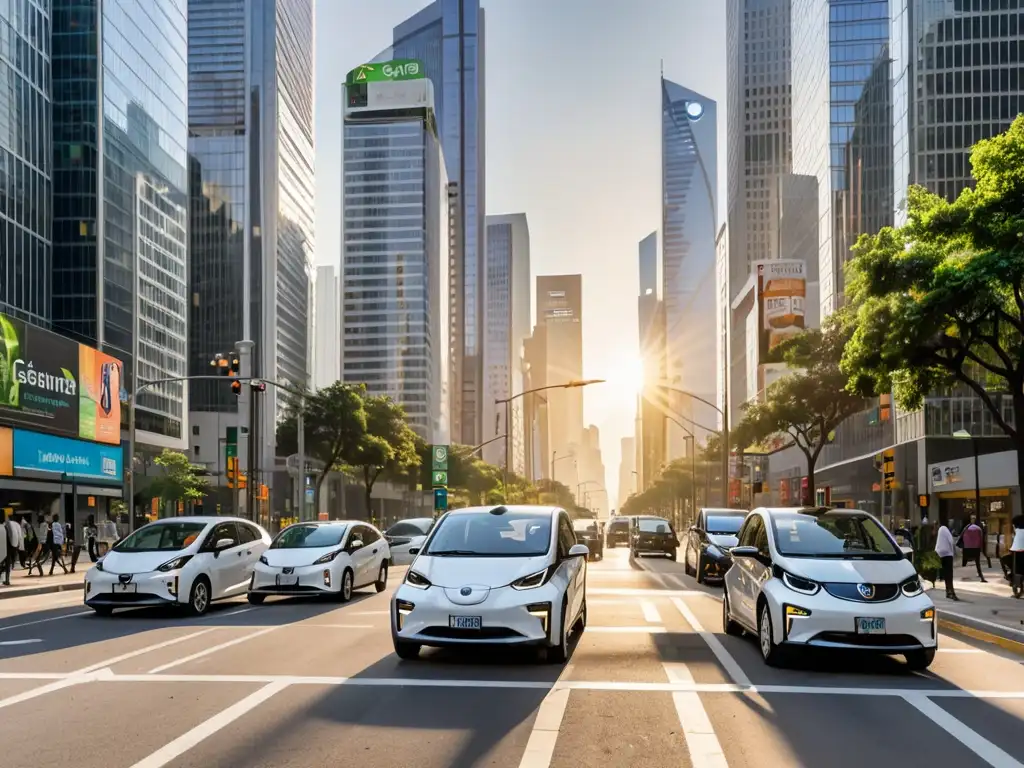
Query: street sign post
(439,457)
(439,479)
(440,499)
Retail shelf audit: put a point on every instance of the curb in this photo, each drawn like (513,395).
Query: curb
(45,589)
(976,633)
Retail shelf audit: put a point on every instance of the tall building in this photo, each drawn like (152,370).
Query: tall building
(627,471)
(395,256)
(650,419)
(250,123)
(508,326)
(560,313)
(26,155)
(327,328)
(689,126)
(120,180)
(838,50)
(448,37)
(591,490)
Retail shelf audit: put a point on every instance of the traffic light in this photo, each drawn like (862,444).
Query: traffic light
(231,471)
(236,387)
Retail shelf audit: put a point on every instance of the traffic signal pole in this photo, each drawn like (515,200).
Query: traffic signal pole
(245,460)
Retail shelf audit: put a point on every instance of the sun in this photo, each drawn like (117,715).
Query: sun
(627,379)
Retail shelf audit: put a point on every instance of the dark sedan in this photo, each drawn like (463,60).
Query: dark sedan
(653,536)
(588,532)
(708,543)
(618,532)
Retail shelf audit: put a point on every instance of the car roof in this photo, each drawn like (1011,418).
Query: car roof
(534,508)
(320,523)
(205,519)
(811,511)
(724,511)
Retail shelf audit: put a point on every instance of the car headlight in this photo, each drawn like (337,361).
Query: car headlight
(414,579)
(263,559)
(912,587)
(328,557)
(800,584)
(99,564)
(534,580)
(175,564)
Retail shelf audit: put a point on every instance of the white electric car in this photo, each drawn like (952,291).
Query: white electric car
(406,535)
(494,575)
(330,558)
(190,561)
(826,578)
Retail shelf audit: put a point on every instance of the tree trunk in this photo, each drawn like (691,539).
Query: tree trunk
(1018,440)
(808,499)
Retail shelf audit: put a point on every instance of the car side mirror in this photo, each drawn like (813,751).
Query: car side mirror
(222,544)
(355,544)
(579,550)
(414,551)
(908,552)
(744,552)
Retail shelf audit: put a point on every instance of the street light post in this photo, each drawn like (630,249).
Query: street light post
(963,434)
(725,436)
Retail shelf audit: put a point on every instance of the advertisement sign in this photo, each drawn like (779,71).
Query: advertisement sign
(396,69)
(781,292)
(944,475)
(36,452)
(53,384)
(6,451)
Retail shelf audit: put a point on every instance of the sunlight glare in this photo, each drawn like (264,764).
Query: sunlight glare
(628,378)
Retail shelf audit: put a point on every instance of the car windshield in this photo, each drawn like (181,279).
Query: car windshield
(161,537)
(583,526)
(309,537)
(839,535)
(482,534)
(725,524)
(410,528)
(653,525)
(619,524)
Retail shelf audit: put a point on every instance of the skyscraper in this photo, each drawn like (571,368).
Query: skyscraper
(119,195)
(395,255)
(650,420)
(26,270)
(250,122)
(689,227)
(327,328)
(507,326)
(448,37)
(837,50)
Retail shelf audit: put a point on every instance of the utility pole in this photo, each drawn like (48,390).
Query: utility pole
(246,462)
(300,476)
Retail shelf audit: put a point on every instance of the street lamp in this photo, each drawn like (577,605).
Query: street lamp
(725,436)
(580,485)
(963,434)
(693,464)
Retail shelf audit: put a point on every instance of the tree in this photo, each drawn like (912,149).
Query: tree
(941,299)
(180,480)
(810,402)
(334,423)
(387,445)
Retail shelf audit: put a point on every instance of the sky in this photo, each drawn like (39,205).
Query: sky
(572,139)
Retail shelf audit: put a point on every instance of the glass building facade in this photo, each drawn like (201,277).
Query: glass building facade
(448,37)
(119,95)
(25,160)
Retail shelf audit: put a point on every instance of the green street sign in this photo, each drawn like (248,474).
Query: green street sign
(439,457)
(397,69)
(439,478)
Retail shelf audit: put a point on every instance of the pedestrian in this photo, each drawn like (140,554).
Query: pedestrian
(973,538)
(57,545)
(945,549)
(91,532)
(15,547)
(5,555)
(43,548)
(28,539)
(72,547)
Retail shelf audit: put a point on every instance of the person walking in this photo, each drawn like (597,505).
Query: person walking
(44,544)
(945,548)
(15,547)
(972,539)
(91,532)
(5,554)
(57,545)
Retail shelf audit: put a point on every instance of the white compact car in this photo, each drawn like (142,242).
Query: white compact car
(826,578)
(189,561)
(494,575)
(330,558)
(406,535)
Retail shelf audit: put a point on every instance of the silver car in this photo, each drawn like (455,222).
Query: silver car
(405,535)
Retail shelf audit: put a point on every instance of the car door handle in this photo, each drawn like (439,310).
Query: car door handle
(248,551)
(375,551)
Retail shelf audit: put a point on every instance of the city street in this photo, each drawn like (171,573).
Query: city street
(652,682)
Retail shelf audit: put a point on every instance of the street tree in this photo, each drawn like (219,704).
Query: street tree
(810,402)
(180,479)
(387,446)
(941,299)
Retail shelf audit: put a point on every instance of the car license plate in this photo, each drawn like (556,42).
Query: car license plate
(465,622)
(125,588)
(870,626)
(287,581)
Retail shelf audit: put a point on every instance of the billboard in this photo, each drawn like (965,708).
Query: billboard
(781,295)
(53,384)
(75,459)
(396,69)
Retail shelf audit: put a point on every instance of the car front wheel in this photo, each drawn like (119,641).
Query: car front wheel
(729,626)
(770,650)
(920,660)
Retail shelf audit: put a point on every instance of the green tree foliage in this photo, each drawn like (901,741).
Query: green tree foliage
(180,479)
(941,299)
(387,446)
(807,404)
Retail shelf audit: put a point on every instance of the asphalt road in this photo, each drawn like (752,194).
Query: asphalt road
(652,682)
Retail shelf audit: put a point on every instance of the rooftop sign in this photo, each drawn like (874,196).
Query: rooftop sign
(398,69)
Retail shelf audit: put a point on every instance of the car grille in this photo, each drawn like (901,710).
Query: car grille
(844,591)
(487,633)
(128,597)
(867,641)
(296,588)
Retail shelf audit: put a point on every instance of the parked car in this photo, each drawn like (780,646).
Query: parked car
(330,558)
(653,536)
(588,532)
(706,555)
(617,532)
(180,561)
(405,535)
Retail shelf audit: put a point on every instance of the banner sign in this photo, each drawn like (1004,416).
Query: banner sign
(397,69)
(36,452)
(781,292)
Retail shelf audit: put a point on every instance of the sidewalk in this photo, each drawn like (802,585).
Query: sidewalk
(23,585)
(986,611)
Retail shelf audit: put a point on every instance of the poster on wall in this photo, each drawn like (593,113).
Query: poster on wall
(781,295)
(55,385)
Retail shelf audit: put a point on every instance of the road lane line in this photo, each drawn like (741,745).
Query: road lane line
(629,592)
(21,642)
(211,650)
(960,731)
(960,650)
(369,613)
(650,612)
(336,626)
(139,652)
(205,730)
(540,748)
(18,698)
(235,613)
(701,740)
(44,621)
(648,630)
(724,657)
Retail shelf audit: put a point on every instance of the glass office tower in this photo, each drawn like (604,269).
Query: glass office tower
(119,94)
(25,159)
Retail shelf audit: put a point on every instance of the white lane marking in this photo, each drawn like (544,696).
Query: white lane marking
(44,621)
(540,748)
(208,728)
(628,592)
(140,651)
(960,650)
(724,657)
(650,612)
(701,741)
(21,642)
(42,690)
(336,626)
(968,619)
(648,630)
(370,613)
(608,600)
(211,650)
(967,736)
(235,613)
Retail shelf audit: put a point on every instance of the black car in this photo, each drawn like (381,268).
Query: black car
(652,536)
(708,542)
(618,532)
(588,533)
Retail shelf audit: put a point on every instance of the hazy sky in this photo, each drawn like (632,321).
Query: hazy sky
(572,139)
